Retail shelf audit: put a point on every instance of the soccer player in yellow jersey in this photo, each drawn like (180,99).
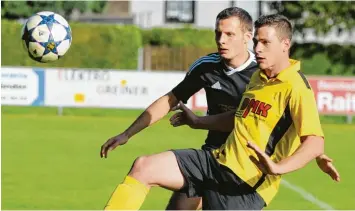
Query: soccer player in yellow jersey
(277,110)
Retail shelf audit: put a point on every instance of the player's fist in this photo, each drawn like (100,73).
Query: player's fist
(112,143)
(185,117)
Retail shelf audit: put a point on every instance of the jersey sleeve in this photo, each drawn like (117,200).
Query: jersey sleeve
(191,84)
(304,112)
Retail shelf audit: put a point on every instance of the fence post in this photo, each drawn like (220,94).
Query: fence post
(349,119)
(140,59)
(147,58)
(60,111)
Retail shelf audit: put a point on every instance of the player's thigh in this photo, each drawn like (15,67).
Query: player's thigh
(180,201)
(158,170)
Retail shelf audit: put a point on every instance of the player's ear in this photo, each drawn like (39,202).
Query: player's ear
(286,44)
(248,36)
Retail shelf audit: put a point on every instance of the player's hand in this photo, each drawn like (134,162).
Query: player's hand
(185,117)
(112,143)
(264,162)
(326,165)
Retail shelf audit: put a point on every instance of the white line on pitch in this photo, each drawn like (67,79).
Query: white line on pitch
(307,196)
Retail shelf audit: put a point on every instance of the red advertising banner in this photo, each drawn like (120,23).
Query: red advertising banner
(334,95)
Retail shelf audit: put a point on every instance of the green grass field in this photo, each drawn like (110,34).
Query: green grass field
(52,162)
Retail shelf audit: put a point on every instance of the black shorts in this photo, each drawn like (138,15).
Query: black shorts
(218,186)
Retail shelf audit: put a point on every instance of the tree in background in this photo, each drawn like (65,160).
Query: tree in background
(319,15)
(24,9)
(322,17)
(97,6)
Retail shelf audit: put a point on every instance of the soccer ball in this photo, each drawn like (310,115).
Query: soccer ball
(46,36)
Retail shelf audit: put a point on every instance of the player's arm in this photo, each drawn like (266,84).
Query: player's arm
(220,122)
(311,148)
(323,161)
(156,111)
(305,117)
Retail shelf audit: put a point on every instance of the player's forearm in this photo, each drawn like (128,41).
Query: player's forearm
(221,122)
(311,148)
(156,111)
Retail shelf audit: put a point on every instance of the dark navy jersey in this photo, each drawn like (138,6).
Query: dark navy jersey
(224,87)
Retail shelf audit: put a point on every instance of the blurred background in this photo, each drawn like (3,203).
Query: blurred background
(126,54)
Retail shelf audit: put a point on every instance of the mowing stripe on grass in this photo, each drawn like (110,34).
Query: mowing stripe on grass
(306,195)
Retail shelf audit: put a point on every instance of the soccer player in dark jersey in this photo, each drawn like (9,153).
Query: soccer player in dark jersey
(226,176)
(224,76)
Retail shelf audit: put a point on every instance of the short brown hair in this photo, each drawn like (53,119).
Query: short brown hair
(282,25)
(243,16)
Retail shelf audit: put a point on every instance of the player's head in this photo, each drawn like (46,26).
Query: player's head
(272,40)
(234,28)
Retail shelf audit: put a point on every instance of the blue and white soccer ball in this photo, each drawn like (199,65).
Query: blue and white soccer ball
(46,36)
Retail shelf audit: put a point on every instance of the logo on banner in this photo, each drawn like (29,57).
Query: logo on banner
(83,75)
(124,88)
(13,75)
(13,86)
(79,98)
(22,86)
(331,102)
(334,95)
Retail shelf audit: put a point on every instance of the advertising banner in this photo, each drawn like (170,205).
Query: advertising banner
(105,88)
(133,89)
(22,86)
(334,95)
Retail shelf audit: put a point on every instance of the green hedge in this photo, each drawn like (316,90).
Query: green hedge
(180,37)
(318,59)
(116,47)
(93,46)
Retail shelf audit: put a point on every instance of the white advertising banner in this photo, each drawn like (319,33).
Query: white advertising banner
(199,101)
(133,89)
(105,88)
(22,86)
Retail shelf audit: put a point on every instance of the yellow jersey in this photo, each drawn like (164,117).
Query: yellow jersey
(273,113)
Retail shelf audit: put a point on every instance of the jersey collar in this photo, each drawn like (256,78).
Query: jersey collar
(285,74)
(241,67)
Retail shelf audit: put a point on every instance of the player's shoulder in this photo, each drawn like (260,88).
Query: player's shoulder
(300,82)
(205,60)
(295,77)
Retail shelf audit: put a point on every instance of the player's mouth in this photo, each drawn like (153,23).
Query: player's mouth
(222,50)
(260,59)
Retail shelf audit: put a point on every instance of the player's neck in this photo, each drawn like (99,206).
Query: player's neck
(238,60)
(274,70)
